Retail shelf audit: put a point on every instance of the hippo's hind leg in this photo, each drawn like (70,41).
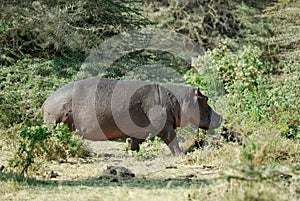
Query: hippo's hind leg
(68,119)
(135,144)
(168,135)
(64,115)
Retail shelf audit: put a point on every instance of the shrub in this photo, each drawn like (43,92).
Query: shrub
(270,150)
(49,28)
(203,21)
(284,43)
(37,143)
(24,88)
(254,92)
(149,149)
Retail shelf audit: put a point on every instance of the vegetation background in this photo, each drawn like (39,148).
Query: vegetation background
(252,46)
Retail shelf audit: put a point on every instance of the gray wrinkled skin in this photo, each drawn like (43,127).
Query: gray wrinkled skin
(103,109)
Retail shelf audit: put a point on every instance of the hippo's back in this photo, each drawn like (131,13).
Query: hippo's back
(103,109)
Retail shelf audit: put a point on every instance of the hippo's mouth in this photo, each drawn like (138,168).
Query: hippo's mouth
(214,120)
(215,124)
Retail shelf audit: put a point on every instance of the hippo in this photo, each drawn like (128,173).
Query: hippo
(104,109)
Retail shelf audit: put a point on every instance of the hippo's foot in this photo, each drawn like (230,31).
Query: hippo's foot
(168,135)
(175,149)
(135,144)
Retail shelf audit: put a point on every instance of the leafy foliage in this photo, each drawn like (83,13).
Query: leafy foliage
(39,143)
(243,66)
(203,21)
(285,41)
(149,149)
(46,28)
(24,88)
(142,65)
(253,91)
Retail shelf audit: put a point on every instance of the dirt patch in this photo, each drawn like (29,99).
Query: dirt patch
(111,158)
(113,154)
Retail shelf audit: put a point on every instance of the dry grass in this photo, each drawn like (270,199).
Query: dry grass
(218,172)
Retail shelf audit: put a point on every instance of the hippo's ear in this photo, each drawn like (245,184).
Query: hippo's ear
(197,92)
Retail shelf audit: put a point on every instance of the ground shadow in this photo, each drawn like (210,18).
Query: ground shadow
(109,180)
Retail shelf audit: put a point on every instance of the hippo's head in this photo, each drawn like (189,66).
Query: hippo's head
(206,118)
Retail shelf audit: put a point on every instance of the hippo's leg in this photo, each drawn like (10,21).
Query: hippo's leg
(168,135)
(135,144)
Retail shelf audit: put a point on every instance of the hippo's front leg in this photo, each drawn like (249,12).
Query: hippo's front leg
(168,135)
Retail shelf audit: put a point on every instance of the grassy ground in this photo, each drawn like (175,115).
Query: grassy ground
(217,172)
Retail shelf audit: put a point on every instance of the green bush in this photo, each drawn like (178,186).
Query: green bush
(254,91)
(239,68)
(38,143)
(45,29)
(284,43)
(24,88)
(206,22)
(149,149)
